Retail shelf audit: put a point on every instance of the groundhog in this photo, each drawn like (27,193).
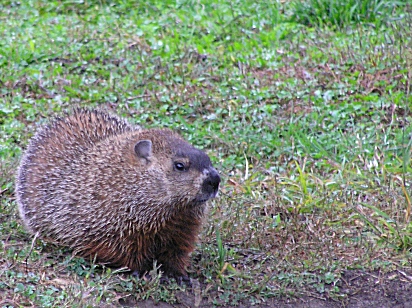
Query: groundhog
(115,193)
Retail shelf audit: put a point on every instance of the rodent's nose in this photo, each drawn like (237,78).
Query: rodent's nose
(214,179)
(211,183)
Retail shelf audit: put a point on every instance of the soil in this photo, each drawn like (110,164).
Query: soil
(361,290)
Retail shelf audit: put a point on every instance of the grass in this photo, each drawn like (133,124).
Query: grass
(309,128)
(341,14)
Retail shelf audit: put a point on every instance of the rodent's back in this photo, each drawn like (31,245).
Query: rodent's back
(54,148)
(73,133)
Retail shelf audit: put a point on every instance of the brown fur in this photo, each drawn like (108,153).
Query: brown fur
(113,191)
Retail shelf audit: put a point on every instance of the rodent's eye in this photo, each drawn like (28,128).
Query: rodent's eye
(180,166)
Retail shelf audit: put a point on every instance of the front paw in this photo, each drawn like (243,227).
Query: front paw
(180,280)
(183,280)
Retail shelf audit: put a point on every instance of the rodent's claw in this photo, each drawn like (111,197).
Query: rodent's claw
(164,280)
(183,279)
(146,276)
(180,280)
(136,274)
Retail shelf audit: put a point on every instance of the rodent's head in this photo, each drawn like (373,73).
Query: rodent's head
(189,170)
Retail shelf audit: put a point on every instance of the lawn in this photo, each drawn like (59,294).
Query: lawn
(303,108)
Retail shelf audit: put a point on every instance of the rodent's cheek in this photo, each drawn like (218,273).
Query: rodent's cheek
(198,182)
(155,184)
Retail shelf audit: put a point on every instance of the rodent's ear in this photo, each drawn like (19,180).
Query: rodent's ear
(143,149)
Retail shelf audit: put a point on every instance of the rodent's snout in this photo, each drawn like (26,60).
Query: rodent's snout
(211,183)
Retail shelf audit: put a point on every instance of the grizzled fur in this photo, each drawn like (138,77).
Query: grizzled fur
(115,192)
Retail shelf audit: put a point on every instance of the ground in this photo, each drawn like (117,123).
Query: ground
(362,290)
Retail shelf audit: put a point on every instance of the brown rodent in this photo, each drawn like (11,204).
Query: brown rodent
(121,194)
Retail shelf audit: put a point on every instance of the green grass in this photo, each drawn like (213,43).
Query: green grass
(340,14)
(309,128)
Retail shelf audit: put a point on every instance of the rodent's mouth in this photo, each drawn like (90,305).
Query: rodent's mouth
(199,201)
(205,197)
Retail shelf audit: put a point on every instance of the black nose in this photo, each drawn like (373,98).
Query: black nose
(211,183)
